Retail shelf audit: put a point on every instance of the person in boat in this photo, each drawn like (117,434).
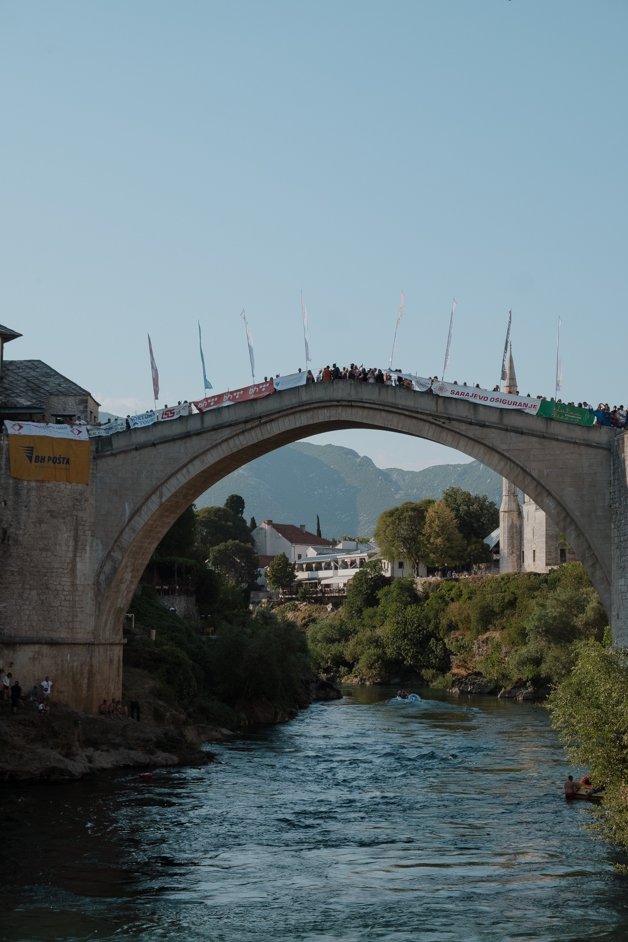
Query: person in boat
(571,788)
(402,694)
(586,783)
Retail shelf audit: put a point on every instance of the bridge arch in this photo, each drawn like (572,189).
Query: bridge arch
(146,478)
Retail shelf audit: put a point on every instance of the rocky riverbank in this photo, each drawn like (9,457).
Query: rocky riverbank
(62,745)
(519,690)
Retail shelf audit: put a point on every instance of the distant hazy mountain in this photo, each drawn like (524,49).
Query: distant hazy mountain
(346,490)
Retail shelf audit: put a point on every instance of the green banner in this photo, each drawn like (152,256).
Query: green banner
(563,412)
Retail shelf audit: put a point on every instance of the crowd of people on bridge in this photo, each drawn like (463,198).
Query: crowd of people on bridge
(604,414)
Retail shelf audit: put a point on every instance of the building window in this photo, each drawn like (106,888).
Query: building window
(299,556)
(533,556)
(562,555)
(400,564)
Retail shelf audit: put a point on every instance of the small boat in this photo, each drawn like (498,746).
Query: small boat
(587,794)
(403,697)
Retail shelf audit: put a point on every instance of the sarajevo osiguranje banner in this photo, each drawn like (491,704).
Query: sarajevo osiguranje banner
(41,452)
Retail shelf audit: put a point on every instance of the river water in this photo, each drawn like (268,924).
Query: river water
(362,819)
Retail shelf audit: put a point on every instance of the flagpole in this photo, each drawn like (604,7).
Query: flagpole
(305,333)
(249,341)
(402,304)
(558,369)
(451,327)
(206,383)
(154,374)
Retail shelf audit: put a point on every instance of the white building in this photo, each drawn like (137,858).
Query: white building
(272,539)
(544,547)
(324,566)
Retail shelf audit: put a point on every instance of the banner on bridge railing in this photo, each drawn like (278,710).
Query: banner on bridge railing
(564,412)
(46,452)
(254,391)
(486,397)
(290,381)
(108,428)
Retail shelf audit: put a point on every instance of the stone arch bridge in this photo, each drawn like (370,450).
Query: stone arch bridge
(72,555)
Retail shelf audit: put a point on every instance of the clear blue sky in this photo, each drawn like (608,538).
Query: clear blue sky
(168,162)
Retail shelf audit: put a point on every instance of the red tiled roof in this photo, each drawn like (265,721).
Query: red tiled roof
(296,535)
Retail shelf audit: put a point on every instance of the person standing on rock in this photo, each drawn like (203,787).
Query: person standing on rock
(46,687)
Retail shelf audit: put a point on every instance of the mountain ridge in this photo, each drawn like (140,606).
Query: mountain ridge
(346,490)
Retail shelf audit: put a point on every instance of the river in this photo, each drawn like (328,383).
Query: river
(360,820)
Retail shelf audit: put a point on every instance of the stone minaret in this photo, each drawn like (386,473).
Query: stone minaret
(510,523)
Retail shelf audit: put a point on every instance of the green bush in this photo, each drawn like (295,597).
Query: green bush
(590,711)
(253,657)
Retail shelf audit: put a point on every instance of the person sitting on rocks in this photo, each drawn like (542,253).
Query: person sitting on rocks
(103,709)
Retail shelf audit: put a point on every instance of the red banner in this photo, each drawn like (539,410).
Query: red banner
(255,391)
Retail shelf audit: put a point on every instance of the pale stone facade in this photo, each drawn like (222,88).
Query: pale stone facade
(544,547)
(510,523)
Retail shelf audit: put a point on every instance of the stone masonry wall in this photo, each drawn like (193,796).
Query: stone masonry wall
(47,611)
(619,540)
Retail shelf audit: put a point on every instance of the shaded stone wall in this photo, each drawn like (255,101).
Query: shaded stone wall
(619,540)
(47,611)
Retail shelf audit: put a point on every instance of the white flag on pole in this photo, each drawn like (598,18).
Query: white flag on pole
(249,341)
(451,327)
(306,337)
(206,382)
(154,371)
(402,304)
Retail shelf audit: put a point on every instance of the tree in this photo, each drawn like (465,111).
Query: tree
(318,526)
(443,544)
(234,561)
(590,711)
(218,525)
(252,524)
(363,588)
(399,532)
(235,504)
(408,641)
(181,537)
(476,516)
(280,572)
